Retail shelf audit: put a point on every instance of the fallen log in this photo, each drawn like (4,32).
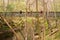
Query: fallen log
(53,32)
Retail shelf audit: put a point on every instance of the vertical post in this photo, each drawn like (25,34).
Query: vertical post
(37,34)
(55,10)
(33,38)
(26,26)
(26,21)
(44,12)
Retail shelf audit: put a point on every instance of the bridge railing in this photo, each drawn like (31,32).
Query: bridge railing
(22,14)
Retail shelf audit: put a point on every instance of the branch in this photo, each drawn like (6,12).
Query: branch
(53,33)
(18,38)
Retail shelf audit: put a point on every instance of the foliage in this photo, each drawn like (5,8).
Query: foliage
(10,7)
